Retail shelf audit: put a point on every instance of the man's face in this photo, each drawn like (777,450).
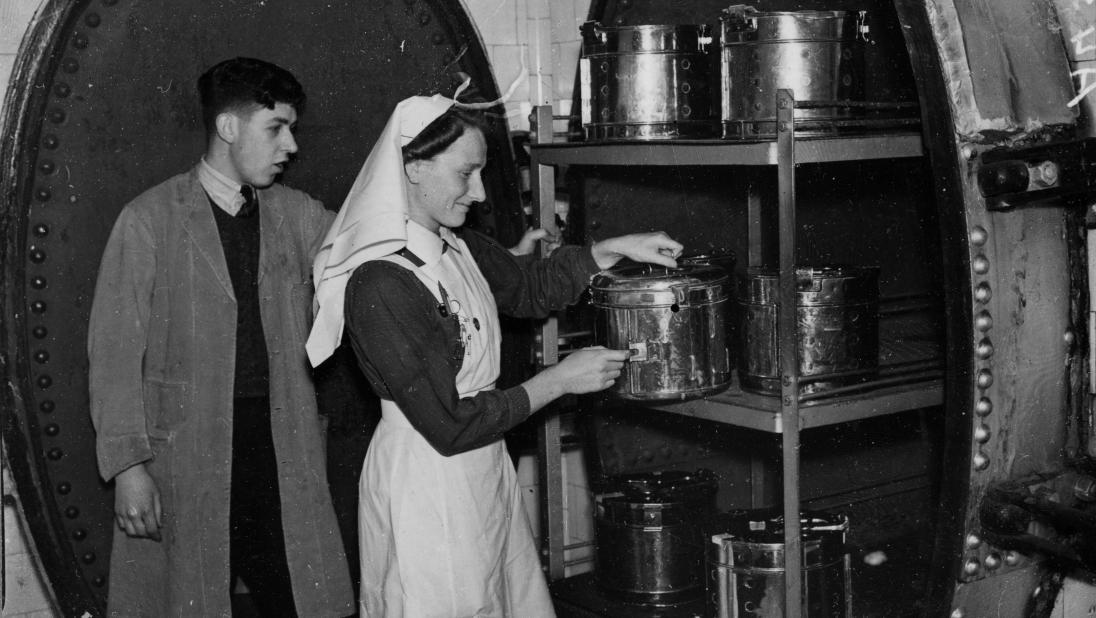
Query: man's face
(263,143)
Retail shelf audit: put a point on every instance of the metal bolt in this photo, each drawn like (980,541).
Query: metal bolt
(981,434)
(983,321)
(1068,336)
(1012,558)
(993,560)
(968,151)
(981,462)
(783,127)
(984,379)
(957,613)
(973,541)
(984,349)
(971,567)
(982,292)
(980,264)
(978,235)
(984,407)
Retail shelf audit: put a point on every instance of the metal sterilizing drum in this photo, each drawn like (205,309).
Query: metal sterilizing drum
(745,563)
(815,54)
(837,315)
(650,535)
(674,320)
(646,82)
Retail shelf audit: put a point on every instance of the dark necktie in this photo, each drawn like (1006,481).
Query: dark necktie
(251,202)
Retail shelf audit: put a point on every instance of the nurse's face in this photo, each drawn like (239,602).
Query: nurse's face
(443,189)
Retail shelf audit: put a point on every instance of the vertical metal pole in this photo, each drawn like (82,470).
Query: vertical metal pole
(787,330)
(542,179)
(755,230)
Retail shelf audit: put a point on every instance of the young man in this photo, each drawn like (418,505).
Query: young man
(200,390)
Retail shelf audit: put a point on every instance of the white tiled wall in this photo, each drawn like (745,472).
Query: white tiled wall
(25,595)
(542,36)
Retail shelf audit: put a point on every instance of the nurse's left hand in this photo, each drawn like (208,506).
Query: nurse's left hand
(652,247)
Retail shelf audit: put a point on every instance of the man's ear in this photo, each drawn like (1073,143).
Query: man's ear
(228,126)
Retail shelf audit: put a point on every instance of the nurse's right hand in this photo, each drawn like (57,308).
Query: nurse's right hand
(137,508)
(591,369)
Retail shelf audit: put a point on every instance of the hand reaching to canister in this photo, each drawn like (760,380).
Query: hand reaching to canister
(651,247)
(583,371)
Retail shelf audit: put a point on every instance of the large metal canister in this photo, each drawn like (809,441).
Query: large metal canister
(837,317)
(745,563)
(674,320)
(650,535)
(646,82)
(816,54)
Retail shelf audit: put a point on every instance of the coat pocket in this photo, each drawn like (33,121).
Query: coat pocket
(167,406)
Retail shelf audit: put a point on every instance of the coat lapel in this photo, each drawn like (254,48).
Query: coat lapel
(270,222)
(202,229)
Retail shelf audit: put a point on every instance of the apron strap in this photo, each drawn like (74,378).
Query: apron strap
(416,261)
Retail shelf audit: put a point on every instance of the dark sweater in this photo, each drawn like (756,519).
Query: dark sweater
(406,348)
(240,240)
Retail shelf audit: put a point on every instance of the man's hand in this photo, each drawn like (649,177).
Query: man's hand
(137,503)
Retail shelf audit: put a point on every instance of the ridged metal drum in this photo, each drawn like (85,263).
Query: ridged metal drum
(816,54)
(646,82)
(837,316)
(745,563)
(650,540)
(674,320)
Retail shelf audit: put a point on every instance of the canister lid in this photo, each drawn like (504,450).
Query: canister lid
(665,486)
(648,285)
(814,285)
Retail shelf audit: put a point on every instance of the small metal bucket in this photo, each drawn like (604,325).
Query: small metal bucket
(816,54)
(837,318)
(674,320)
(650,539)
(646,82)
(745,562)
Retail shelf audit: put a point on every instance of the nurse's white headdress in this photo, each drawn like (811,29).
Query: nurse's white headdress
(372,222)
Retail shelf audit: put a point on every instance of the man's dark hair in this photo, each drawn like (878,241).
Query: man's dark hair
(442,132)
(240,83)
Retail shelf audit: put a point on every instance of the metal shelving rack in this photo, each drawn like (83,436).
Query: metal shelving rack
(908,379)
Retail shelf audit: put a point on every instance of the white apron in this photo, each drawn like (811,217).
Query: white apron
(447,537)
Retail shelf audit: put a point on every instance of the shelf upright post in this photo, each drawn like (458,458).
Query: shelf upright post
(542,179)
(788,337)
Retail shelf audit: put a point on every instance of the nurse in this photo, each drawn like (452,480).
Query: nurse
(442,528)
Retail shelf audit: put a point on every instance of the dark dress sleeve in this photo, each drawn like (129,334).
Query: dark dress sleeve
(527,286)
(410,354)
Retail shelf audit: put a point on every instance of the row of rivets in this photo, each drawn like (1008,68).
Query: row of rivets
(983,322)
(48,167)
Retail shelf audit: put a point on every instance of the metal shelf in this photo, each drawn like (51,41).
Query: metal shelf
(910,377)
(912,385)
(727,153)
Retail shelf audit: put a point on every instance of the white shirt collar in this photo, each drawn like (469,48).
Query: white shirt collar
(224,191)
(425,244)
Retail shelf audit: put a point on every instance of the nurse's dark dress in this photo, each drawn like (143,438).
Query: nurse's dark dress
(443,532)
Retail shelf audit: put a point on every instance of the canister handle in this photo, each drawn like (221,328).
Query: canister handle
(681,294)
(592,29)
(736,16)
